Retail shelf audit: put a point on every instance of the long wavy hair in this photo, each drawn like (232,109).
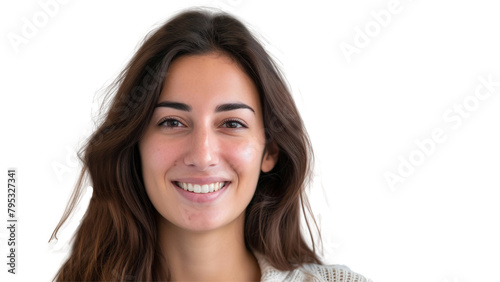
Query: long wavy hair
(117,238)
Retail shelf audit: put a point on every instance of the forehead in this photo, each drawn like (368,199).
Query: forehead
(206,79)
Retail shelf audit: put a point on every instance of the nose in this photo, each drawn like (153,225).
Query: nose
(201,149)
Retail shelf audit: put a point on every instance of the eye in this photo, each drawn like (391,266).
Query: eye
(233,123)
(170,123)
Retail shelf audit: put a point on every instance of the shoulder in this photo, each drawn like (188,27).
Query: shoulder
(308,272)
(332,273)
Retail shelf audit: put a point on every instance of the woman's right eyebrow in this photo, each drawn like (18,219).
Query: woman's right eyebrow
(174,105)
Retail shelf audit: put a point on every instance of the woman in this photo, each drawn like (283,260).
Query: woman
(199,166)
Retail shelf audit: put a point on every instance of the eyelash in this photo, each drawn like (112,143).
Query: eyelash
(226,121)
(168,119)
(241,123)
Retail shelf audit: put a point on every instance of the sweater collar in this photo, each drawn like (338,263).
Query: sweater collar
(268,272)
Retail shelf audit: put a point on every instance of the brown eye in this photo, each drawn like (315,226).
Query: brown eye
(170,123)
(233,124)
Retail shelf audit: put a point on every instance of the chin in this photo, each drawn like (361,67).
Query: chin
(208,221)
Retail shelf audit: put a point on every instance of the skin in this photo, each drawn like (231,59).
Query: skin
(205,241)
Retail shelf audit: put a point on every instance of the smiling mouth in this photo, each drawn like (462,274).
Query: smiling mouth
(201,189)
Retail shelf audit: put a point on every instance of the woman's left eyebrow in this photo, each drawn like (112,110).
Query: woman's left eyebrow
(232,106)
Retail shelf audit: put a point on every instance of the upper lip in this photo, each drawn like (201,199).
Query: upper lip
(201,180)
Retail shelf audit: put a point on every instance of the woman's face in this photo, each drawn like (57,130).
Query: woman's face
(204,147)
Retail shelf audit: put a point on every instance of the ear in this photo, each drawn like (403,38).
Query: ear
(270,157)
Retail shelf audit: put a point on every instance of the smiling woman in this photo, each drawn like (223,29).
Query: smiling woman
(199,167)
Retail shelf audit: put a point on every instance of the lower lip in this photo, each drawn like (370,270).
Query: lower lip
(202,197)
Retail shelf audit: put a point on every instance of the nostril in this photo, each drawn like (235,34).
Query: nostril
(201,154)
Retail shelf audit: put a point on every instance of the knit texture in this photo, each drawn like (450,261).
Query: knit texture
(308,273)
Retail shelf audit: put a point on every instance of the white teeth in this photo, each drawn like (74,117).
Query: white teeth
(197,188)
(202,189)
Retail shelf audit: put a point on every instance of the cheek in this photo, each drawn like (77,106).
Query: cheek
(244,155)
(157,157)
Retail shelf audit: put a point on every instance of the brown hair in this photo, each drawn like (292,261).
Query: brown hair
(117,237)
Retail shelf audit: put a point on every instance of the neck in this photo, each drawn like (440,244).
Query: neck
(215,255)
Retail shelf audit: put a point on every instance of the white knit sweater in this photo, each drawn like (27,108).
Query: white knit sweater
(308,273)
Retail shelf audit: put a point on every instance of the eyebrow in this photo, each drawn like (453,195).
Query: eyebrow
(232,106)
(218,109)
(174,105)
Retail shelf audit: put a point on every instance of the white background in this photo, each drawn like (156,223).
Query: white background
(364,113)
